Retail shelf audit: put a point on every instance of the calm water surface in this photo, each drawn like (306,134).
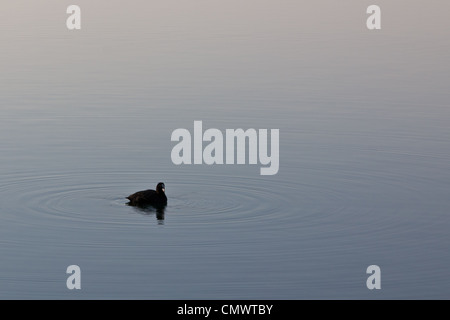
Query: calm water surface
(86,119)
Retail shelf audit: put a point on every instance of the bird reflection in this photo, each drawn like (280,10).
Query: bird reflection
(159,211)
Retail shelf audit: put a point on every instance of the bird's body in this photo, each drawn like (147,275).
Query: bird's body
(144,198)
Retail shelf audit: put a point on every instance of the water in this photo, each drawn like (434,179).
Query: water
(86,119)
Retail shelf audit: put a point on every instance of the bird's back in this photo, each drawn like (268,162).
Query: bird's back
(146,197)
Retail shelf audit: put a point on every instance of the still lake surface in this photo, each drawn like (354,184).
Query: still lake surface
(86,119)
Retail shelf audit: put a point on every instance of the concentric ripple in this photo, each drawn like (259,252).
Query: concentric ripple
(317,206)
(96,199)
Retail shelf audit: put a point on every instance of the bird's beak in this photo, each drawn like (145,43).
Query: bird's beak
(164,189)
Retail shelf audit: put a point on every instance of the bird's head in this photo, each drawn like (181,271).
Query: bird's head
(160,188)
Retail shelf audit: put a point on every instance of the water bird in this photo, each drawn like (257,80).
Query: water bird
(156,198)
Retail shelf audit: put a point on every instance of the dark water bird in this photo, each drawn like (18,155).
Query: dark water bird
(156,198)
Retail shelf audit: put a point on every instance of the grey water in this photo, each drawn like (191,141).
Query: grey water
(86,119)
